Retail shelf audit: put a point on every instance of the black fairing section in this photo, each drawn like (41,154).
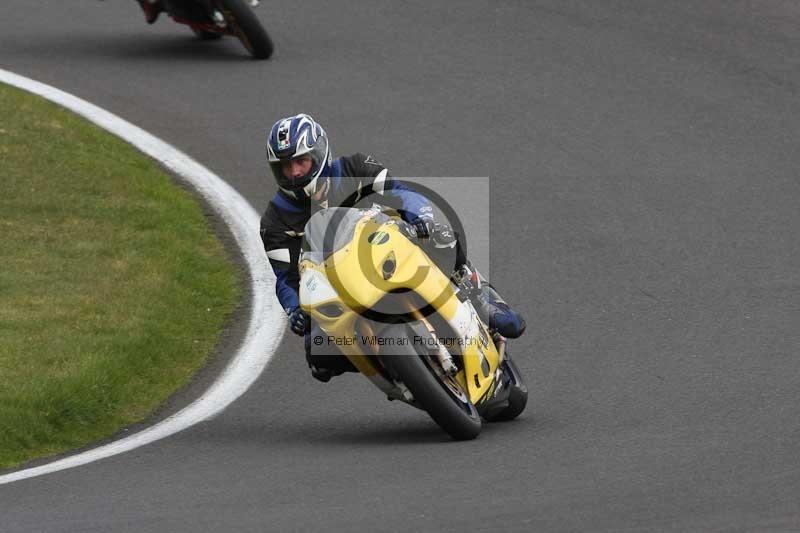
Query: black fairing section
(195,10)
(499,398)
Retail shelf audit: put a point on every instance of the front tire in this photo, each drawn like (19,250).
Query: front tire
(457,416)
(247,27)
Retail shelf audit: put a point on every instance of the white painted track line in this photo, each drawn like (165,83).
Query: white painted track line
(266,321)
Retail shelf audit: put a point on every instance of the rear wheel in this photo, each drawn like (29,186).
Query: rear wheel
(437,393)
(517,394)
(245,24)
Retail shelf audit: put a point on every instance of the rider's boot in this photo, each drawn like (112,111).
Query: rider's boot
(498,314)
(323,374)
(334,365)
(325,362)
(152,9)
(491,307)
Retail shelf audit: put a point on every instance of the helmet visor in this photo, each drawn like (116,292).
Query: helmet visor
(285,171)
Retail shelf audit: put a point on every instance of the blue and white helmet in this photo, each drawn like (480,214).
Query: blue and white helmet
(295,136)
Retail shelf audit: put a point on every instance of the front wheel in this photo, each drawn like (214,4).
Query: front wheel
(444,401)
(246,26)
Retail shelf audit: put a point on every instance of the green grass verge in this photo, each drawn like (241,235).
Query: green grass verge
(113,288)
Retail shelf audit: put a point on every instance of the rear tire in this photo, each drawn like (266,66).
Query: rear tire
(517,395)
(458,417)
(517,400)
(247,27)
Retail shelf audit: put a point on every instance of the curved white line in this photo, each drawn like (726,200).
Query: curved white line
(380,181)
(267,319)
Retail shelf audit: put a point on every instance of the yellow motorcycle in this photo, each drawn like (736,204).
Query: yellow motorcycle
(380,300)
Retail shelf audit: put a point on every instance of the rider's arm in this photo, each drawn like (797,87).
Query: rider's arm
(285,289)
(414,204)
(282,251)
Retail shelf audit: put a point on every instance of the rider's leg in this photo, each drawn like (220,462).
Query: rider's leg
(497,314)
(491,307)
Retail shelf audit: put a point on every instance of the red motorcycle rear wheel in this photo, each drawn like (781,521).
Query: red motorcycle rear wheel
(245,25)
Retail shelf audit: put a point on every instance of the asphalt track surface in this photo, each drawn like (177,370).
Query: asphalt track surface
(644,163)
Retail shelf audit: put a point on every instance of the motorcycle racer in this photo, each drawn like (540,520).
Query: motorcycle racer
(309,179)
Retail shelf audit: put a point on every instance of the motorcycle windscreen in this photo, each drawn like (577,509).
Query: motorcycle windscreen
(330,230)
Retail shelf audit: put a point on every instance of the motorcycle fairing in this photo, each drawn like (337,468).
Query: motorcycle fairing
(337,286)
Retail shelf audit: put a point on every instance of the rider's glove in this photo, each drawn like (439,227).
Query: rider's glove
(298,321)
(424,226)
(443,236)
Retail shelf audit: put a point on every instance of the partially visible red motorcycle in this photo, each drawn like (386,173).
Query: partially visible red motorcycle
(212,19)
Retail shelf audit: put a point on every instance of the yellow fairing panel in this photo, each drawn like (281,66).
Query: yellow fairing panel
(323,310)
(480,364)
